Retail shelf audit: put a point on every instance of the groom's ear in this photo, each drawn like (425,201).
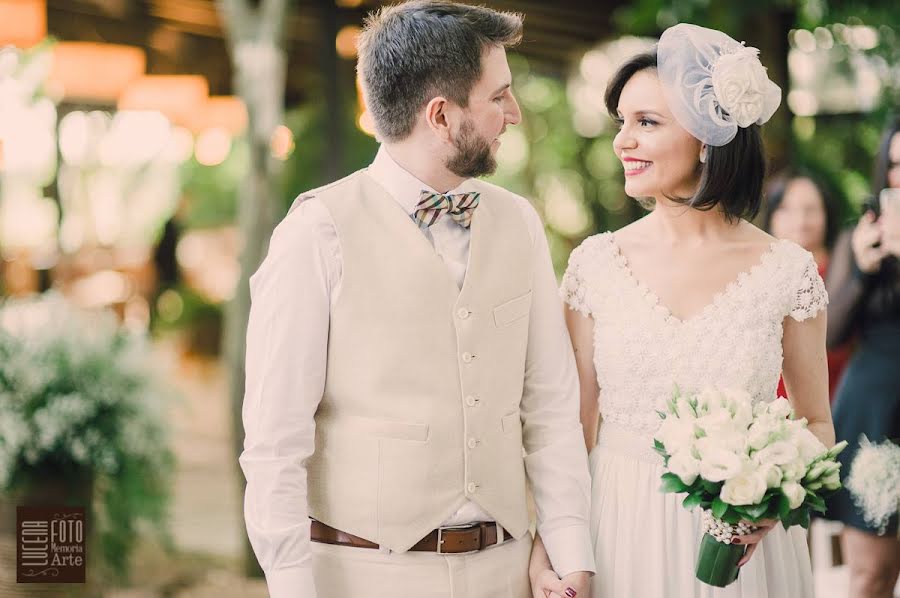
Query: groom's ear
(437,115)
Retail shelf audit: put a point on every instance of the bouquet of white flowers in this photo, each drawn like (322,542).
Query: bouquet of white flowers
(741,463)
(874,481)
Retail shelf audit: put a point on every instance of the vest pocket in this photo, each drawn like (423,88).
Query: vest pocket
(382,428)
(514,309)
(510,423)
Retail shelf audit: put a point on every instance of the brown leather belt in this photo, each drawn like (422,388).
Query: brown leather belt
(444,540)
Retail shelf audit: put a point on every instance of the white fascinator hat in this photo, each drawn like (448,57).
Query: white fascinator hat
(713,84)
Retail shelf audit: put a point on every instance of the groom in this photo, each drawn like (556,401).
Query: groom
(407,361)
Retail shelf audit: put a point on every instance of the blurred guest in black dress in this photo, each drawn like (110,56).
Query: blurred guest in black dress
(864,289)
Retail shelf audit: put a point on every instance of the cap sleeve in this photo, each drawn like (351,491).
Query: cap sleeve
(809,297)
(574,287)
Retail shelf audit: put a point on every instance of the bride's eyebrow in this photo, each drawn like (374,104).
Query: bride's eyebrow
(641,113)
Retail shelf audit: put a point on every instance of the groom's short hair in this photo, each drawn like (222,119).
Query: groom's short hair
(412,52)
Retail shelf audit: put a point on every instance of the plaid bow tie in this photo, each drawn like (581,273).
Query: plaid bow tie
(432,206)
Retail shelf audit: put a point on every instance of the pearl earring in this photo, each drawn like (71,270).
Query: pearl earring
(703,154)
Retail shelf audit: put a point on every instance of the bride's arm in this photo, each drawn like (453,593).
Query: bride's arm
(581,331)
(805,372)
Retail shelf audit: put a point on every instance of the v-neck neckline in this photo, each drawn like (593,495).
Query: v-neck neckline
(653,299)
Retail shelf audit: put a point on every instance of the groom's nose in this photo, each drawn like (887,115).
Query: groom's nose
(513,113)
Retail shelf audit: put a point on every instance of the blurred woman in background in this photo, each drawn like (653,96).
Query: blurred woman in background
(800,207)
(864,288)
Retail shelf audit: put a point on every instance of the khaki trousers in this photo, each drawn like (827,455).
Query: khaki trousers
(496,572)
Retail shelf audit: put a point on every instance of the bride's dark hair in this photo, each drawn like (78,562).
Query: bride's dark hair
(732,176)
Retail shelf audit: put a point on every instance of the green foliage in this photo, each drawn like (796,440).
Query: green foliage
(78,400)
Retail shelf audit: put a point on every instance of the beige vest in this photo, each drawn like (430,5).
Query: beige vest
(421,404)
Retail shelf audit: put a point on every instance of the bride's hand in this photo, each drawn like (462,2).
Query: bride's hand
(751,541)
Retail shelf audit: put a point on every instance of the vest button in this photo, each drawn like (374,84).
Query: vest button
(471,401)
(467,357)
(472,487)
(472,443)
(463,313)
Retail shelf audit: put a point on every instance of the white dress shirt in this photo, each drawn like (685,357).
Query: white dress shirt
(292,294)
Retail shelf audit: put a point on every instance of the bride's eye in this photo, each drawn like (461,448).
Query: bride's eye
(646,122)
(619,122)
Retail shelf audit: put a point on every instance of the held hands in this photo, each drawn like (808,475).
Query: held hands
(546,584)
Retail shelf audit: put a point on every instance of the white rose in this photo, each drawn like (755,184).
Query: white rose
(739,82)
(778,453)
(708,400)
(779,408)
(794,493)
(759,435)
(717,465)
(684,410)
(745,489)
(675,434)
(740,404)
(808,445)
(771,474)
(794,470)
(685,466)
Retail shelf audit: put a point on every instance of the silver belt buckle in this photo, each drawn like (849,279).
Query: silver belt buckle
(440,537)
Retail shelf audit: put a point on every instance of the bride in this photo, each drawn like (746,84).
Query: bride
(694,295)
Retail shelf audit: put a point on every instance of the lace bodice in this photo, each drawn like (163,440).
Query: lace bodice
(641,350)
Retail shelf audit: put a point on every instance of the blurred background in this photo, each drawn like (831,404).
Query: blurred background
(147,149)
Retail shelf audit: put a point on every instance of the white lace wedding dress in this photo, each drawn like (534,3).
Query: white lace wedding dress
(645,542)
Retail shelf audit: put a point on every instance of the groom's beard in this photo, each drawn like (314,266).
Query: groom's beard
(473,154)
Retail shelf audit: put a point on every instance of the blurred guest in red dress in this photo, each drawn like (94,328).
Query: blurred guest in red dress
(800,207)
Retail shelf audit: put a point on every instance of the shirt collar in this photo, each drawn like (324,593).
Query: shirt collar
(400,184)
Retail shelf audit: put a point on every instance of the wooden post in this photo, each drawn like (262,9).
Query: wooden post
(255,36)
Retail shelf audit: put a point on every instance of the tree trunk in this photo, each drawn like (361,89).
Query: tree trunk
(256,43)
